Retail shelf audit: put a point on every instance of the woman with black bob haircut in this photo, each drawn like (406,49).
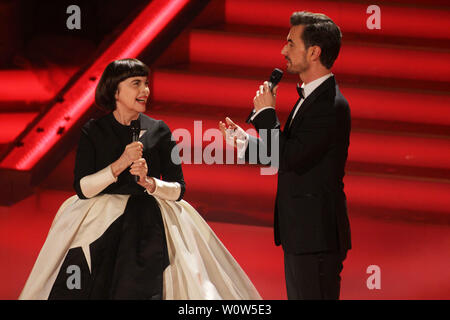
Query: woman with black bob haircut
(127,233)
(115,73)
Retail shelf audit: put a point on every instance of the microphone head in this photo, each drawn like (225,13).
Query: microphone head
(135,125)
(275,77)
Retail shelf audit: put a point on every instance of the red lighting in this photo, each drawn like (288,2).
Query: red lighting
(397,20)
(389,105)
(80,96)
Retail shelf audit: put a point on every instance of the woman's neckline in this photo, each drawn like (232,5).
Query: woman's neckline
(123,125)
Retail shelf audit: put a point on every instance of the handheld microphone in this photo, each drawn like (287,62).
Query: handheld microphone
(275,77)
(135,130)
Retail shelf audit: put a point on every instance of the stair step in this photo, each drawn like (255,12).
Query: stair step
(368,38)
(228,193)
(13,123)
(237,92)
(242,183)
(376,148)
(369,152)
(404,20)
(28,86)
(364,60)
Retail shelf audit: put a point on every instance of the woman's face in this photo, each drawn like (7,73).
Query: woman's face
(132,94)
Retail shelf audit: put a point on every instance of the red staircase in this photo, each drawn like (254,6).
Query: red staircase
(396,80)
(23,94)
(398,175)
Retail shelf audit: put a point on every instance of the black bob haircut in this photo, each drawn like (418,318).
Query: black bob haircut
(114,73)
(320,31)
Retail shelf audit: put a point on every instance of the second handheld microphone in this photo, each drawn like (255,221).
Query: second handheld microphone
(274,79)
(135,130)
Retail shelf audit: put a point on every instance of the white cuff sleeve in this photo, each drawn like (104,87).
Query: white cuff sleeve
(259,111)
(242,146)
(95,183)
(241,140)
(166,190)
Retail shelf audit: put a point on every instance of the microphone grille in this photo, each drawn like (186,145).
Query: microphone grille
(135,125)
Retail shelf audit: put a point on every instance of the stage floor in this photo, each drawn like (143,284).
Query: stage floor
(413,257)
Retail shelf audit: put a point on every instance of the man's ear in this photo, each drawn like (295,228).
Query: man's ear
(315,53)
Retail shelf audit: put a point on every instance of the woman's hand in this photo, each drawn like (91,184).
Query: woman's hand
(139,168)
(132,152)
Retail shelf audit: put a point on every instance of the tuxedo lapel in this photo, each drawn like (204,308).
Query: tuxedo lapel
(326,85)
(286,125)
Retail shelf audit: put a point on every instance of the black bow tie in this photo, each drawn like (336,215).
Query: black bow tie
(300,92)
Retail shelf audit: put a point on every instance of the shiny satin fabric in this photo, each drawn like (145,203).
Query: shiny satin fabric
(200,265)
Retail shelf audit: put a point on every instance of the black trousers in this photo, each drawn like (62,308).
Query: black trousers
(313,276)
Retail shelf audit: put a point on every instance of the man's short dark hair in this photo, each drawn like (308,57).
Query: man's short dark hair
(114,73)
(320,31)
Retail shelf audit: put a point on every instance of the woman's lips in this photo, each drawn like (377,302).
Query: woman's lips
(142,100)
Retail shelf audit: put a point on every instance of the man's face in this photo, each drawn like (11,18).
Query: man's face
(295,52)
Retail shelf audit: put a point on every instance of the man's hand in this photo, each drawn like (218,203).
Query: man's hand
(231,132)
(264,97)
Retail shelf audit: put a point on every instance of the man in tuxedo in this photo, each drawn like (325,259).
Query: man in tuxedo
(310,220)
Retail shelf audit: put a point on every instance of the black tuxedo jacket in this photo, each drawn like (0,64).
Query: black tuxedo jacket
(310,207)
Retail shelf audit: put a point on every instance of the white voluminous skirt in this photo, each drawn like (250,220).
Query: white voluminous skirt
(200,265)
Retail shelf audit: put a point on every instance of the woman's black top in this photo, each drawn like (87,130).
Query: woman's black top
(103,141)
(128,260)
